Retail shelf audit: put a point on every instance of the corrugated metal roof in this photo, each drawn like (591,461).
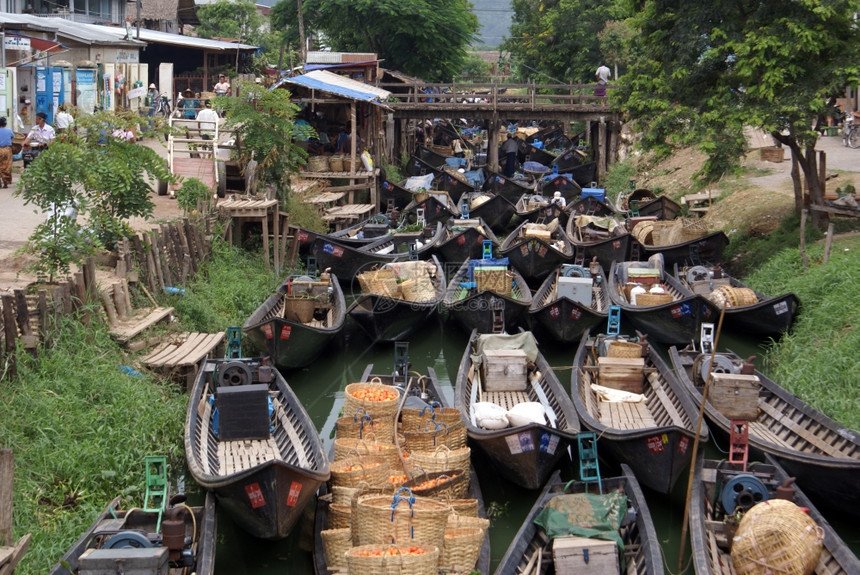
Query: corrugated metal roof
(339,85)
(156,37)
(82,33)
(323,57)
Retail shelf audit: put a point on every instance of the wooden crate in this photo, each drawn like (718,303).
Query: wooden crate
(735,395)
(772,154)
(539,234)
(569,556)
(504,369)
(145,561)
(625,373)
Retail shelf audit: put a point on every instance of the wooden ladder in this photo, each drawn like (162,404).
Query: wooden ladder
(498,308)
(739,442)
(589,466)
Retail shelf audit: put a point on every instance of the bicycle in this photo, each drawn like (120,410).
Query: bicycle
(163,106)
(850,132)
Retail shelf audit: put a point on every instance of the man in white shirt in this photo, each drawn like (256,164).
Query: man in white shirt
(63,119)
(603,75)
(222,87)
(207,118)
(42,132)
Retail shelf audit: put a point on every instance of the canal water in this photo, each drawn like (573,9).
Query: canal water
(440,345)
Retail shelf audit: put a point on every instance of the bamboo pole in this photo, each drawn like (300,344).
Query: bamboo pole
(686,519)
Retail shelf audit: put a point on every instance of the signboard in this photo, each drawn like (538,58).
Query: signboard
(126,56)
(137,92)
(16,43)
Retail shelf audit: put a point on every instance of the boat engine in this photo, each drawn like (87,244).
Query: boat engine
(742,492)
(722,364)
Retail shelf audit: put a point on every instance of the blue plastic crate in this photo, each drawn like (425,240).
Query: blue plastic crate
(598,193)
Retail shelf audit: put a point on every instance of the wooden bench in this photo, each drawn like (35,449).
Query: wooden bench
(125,322)
(698,203)
(183,354)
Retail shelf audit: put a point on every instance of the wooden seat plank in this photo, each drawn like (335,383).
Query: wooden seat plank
(657,386)
(126,330)
(192,350)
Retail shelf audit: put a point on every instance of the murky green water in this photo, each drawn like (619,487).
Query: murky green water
(441,345)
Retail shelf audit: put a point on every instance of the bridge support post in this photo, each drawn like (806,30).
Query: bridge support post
(600,149)
(493,143)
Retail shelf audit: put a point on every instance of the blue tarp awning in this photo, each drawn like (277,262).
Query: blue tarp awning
(338,85)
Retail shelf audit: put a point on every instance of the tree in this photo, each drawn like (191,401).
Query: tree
(704,71)
(615,44)
(558,39)
(229,19)
(263,121)
(105,179)
(424,38)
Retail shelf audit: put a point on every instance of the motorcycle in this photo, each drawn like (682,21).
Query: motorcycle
(31,152)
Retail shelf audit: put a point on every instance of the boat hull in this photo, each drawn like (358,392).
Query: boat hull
(535,258)
(474,311)
(708,248)
(497,212)
(465,244)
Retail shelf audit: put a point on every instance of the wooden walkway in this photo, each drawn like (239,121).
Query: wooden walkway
(183,354)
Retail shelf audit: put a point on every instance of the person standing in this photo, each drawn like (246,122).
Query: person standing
(509,148)
(6,135)
(603,75)
(151,99)
(207,120)
(222,88)
(457,148)
(64,120)
(42,132)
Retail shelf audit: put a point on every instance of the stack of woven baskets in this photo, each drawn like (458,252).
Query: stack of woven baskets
(410,281)
(399,488)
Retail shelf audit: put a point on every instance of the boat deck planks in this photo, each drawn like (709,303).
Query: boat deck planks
(243,454)
(295,440)
(809,436)
(506,399)
(125,331)
(625,415)
(671,408)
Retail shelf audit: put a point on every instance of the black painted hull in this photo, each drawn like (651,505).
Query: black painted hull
(569,188)
(475,311)
(563,319)
(535,258)
(393,192)
(508,188)
(460,245)
(435,210)
(497,212)
(664,208)
(708,248)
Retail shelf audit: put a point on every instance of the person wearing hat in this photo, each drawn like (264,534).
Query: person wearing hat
(42,132)
(6,135)
(558,199)
(222,88)
(151,99)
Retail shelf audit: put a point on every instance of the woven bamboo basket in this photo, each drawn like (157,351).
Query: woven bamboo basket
(336,542)
(392,560)
(498,281)
(464,507)
(354,470)
(339,516)
(643,232)
(435,433)
(300,309)
(728,296)
(442,458)
(692,229)
(369,447)
(418,289)
(647,299)
(318,164)
(335,163)
(364,427)
(452,484)
(619,348)
(461,549)
(415,418)
(405,518)
(378,410)
(776,536)
(456,520)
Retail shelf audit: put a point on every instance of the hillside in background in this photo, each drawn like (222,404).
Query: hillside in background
(495,19)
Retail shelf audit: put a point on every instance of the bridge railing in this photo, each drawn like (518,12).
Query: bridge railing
(495,96)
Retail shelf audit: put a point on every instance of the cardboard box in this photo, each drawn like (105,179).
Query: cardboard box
(576,289)
(127,560)
(504,369)
(735,395)
(625,373)
(585,556)
(243,411)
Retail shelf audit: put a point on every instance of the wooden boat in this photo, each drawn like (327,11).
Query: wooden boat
(748,311)
(431,157)
(691,247)
(493,208)
(298,321)
(639,196)
(265,469)
(664,207)
(584,174)
(346,262)
(385,318)
(531,550)
(671,318)
(524,454)
(591,206)
(365,232)
(528,152)
(602,237)
(437,206)
(536,253)
(473,308)
(509,188)
(564,309)
(571,158)
(645,419)
(717,483)
(393,195)
(538,208)
(464,240)
(563,183)
(823,455)
(443,178)
(421,391)
(185,538)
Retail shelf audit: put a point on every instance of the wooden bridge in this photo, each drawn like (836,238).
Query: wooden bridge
(498,104)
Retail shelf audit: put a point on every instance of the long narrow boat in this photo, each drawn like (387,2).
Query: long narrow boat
(437,206)
(443,178)
(531,550)
(591,206)
(298,321)
(386,318)
(422,391)
(393,194)
(526,451)
(602,237)
(671,318)
(365,232)
(706,247)
(823,455)
(639,411)
(509,188)
(663,207)
(747,311)
(265,467)
(346,262)
(464,240)
(569,303)
(563,183)
(536,207)
(185,536)
(571,159)
(718,483)
(474,308)
(535,256)
(493,208)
